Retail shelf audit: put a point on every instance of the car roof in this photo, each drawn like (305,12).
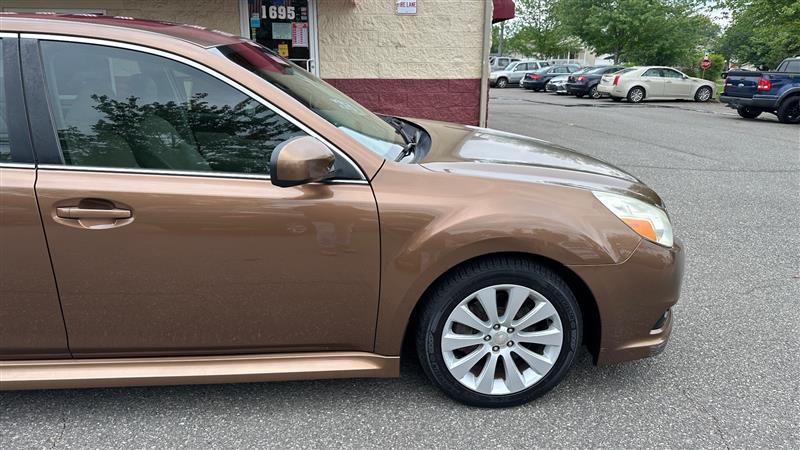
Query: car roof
(195,34)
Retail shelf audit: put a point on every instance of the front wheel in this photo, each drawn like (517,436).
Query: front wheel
(748,112)
(499,332)
(789,111)
(703,94)
(501,83)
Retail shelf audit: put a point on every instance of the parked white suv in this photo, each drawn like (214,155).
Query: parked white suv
(514,72)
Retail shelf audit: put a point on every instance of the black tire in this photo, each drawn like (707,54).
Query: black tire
(748,112)
(616,99)
(789,110)
(633,94)
(456,286)
(594,93)
(701,93)
(501,82)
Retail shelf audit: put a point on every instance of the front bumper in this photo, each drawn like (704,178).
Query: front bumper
(632,299)
(550,87)
(767,102)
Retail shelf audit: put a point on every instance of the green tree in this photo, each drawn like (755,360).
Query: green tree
(537,32)
(638,31)
(762,32)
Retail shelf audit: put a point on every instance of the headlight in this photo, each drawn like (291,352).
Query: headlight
(649,221)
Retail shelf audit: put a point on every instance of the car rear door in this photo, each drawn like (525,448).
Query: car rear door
(653,81)
(31,325)
(165,232)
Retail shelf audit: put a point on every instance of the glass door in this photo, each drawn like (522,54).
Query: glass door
(285,26)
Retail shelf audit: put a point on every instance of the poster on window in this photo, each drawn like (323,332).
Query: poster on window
(281,30)
(299,34)
(406,7)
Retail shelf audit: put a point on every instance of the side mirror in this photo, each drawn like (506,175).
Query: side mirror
(299,161)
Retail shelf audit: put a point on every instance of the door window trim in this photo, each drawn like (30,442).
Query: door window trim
(235,85)
(19,137)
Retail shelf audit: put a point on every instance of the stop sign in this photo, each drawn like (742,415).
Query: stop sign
(705,64)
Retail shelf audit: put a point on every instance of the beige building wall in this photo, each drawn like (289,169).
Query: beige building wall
(218,14)
(367,39)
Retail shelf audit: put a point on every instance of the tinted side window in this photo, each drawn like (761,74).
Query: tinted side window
(669,73)
(520,67)
(122,108)
(5,146)
(652,73)
(791,66)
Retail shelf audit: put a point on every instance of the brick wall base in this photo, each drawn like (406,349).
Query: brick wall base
(447,100)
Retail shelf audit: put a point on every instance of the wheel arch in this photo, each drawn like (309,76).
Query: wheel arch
(644,89)
(791,93)
(583,295)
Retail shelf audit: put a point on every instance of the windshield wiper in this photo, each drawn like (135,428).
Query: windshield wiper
(411,141)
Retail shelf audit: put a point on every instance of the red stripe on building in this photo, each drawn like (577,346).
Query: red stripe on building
(447,100)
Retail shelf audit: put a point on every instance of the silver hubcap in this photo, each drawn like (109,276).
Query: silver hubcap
(502,339)
(704,94)
(637,95)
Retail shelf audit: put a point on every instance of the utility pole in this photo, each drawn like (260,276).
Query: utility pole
(502,37)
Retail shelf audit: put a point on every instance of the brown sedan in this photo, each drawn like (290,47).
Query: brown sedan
(178,205)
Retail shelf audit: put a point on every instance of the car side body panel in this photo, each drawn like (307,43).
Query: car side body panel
(426,231)
(30,316)
(213,265)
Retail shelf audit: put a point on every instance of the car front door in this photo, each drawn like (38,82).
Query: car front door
(165,232)
(653,80)
(31,325)
(675,85)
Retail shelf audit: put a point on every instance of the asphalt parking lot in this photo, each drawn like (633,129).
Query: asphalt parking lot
(728,379)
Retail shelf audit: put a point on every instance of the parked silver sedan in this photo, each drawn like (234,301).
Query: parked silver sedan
(653,82)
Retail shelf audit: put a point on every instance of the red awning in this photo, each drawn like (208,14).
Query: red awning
(503,10)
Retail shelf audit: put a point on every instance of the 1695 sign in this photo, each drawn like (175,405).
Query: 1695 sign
(278,12)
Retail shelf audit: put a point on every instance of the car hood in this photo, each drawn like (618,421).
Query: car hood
(496,154)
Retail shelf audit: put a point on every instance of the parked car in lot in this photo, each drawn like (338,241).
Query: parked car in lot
(639,83)
(557,84)
(752,93)
(500,62)
(513,73)
(585,81)
(188,207)
(538,80)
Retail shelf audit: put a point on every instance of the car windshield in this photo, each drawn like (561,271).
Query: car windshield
(317,95)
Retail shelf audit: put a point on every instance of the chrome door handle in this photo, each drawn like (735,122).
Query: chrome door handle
(87,213)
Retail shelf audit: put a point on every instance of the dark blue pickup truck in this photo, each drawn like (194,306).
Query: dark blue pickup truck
(778,92)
